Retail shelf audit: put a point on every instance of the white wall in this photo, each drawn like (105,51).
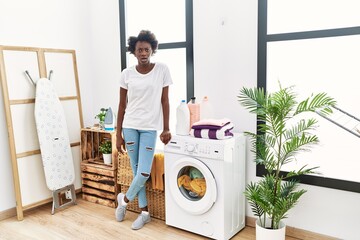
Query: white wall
(88,26)
(225,48)
(225,38)
(105,37)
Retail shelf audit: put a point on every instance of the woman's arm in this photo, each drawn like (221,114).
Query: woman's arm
(120,145)
(165,136)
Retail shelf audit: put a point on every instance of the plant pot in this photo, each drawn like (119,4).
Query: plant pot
(107,158)
(270,234)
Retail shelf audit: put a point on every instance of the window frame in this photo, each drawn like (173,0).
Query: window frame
(263,39)
(188,44)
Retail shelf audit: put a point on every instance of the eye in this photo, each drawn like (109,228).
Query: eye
(140,50)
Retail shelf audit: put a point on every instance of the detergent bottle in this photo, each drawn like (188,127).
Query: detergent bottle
(182,119)
(206,109)
(194,111)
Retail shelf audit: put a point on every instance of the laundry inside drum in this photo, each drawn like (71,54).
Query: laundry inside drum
(191,183)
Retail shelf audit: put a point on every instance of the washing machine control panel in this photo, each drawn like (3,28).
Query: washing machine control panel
(197,147)
(204,150)
(191,147)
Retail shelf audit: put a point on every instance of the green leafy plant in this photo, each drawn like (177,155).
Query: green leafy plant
(105,147)
(282,134)
(101,115)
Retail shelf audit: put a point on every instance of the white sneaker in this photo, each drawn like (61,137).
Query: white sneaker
(142,219)
(121,209)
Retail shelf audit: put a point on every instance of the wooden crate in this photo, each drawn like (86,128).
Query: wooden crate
(99,183)
(156,202)
(90,141)
(99,180)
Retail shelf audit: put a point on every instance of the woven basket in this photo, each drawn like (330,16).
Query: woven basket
(156,202)
(156,198)
(125,174)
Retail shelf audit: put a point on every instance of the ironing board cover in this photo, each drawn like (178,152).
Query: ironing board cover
(53,137)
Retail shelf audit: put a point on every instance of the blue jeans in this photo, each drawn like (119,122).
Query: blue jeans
(140,145)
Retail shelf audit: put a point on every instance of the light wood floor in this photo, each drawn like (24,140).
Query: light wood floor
(87,220)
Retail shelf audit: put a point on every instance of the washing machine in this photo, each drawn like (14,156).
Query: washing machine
(205,184)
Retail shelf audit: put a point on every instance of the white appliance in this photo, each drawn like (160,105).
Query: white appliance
(204,185)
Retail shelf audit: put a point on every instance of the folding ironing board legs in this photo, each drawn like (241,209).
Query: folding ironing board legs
(56,197)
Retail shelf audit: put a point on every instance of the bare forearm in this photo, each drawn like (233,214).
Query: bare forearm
(120,118)
(165,136)
(166,115)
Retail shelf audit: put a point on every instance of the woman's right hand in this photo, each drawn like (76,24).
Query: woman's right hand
(120,144)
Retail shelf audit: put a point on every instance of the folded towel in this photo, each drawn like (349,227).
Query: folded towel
(213,122)
(222,133)
(214,127)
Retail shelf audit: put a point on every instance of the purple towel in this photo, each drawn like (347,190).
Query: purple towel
(222,133)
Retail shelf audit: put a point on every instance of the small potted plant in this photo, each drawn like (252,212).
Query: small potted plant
(283,132)
(106,149)
(101,117)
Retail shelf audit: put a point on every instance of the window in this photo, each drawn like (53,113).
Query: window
(315,46)
(172,23)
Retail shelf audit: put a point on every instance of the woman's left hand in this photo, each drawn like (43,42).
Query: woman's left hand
(165,136)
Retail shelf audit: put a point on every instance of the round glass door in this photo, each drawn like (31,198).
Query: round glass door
(192,185)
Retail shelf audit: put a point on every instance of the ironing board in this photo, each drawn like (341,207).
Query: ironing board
(54,143)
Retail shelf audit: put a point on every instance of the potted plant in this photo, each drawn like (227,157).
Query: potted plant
(101,117)
(282,134)
(106,149)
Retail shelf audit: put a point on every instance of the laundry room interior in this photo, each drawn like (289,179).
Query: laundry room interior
(202,183)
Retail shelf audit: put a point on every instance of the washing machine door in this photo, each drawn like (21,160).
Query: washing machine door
(192,185)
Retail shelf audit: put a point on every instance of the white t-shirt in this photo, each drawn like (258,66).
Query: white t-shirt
(144,109)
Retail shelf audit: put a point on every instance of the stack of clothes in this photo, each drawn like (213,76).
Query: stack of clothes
(212,129)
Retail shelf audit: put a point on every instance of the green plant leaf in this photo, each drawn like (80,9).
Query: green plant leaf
(105,147)
(283,133)
(101,114)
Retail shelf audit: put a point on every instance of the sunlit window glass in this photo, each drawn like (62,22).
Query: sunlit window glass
(164,18)
(323,65)
(307,15)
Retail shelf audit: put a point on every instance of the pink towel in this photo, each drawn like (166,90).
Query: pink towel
(213,122)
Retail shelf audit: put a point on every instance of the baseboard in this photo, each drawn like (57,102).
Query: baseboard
(295,232)
(12,211)
(8,213)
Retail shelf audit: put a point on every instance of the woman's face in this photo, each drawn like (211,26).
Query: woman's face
(143,52)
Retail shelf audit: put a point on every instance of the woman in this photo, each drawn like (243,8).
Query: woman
(143,109)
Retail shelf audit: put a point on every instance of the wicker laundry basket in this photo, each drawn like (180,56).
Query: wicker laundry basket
(155,197)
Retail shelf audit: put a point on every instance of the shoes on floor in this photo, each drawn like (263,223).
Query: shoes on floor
(142,219)
(121,209)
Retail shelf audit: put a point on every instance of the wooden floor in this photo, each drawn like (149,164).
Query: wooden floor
(87,220)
